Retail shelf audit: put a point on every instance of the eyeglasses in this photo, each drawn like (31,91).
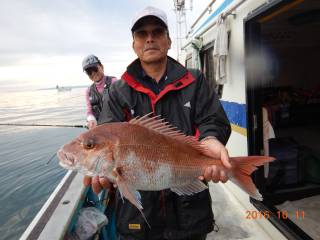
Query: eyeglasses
(90,70)
(155,33)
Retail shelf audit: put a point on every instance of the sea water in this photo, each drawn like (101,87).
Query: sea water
(26,180)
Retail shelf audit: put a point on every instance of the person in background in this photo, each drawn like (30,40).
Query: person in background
(156,83)
(94,94)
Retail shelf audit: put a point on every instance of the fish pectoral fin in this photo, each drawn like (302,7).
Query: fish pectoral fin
(126,190)
(190,189)
(130,193)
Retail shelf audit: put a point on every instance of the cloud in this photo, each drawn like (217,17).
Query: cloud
(43,42)
(59,27)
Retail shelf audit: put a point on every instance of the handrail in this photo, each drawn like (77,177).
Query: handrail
(204,11)
(42,125)
(224,15)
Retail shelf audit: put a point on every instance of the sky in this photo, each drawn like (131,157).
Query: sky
(43,42)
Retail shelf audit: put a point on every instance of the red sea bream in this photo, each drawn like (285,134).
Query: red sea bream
(148,154)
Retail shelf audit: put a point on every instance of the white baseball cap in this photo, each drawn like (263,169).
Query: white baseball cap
(90,61)
(149,11)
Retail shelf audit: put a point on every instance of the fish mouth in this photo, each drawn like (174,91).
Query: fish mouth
(66,166)
(66,160)
(71,162)
(78,168)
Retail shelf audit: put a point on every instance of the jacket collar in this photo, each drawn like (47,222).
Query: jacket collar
(175,70)
(178,78)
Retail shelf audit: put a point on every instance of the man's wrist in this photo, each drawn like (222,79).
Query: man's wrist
(208,138)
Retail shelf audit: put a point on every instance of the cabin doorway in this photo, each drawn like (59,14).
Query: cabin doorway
(282,44)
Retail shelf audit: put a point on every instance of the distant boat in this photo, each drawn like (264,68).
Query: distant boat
(63,89)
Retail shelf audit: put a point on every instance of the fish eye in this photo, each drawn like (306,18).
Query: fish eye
(88,144)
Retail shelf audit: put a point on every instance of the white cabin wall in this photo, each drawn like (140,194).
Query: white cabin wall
(234,90)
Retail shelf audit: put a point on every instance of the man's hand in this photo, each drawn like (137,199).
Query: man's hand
(216,150)
(97,183)
(91,124)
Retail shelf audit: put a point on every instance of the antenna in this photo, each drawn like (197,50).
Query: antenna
(181,22)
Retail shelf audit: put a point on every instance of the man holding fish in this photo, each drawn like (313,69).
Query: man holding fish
(163,86)
(159,168)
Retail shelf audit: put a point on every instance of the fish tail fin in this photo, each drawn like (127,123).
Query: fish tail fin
(242,169)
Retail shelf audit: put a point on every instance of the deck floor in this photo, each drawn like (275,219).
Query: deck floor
(311,208)
(230,218)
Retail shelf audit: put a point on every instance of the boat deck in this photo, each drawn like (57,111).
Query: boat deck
(230,217)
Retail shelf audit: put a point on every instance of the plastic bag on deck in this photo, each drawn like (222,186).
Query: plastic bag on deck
(90,220)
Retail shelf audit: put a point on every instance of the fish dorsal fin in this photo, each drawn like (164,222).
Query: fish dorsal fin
(190,189)
(159,125)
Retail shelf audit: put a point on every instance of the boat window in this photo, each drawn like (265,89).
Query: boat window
(188,62)
(207,63)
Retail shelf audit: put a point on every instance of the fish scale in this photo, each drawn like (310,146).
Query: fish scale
(137,157)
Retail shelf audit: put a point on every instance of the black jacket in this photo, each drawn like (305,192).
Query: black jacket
(96,98)
(187,101)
